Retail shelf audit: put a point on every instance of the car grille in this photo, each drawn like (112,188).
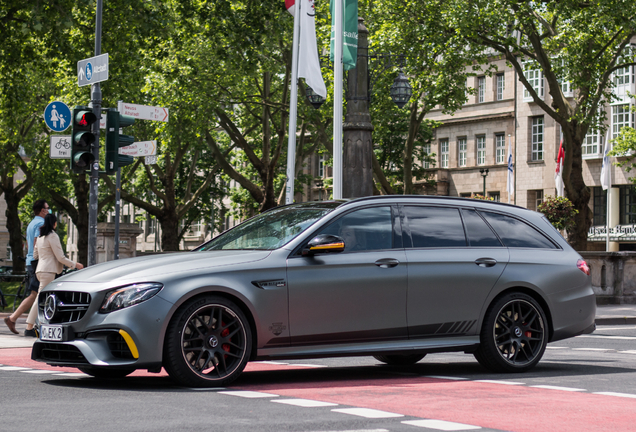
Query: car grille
(118,346)
(52,352)
(71,306)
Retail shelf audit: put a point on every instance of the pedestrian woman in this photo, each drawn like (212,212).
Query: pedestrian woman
(48,250)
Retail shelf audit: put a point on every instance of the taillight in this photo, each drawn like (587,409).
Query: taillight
(582,265)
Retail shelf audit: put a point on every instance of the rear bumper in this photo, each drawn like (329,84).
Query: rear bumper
(573,312)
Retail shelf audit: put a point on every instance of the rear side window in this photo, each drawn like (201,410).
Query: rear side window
(515,233)
(435,227)
(478,232)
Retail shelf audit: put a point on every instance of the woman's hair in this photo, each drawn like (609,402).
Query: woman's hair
(49,225)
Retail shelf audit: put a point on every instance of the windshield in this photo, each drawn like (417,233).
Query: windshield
(272,229)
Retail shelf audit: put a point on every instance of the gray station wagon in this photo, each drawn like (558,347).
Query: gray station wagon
(394,277)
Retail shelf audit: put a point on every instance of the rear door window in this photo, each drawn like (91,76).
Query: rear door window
(435,227)
(517,234)
(478,232)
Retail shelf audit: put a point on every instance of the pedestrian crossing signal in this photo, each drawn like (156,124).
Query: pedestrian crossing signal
(82,139)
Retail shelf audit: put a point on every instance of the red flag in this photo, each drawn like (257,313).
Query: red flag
(291,6)
(558,175)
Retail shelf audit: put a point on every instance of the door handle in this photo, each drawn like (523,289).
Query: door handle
(486,262)
(387,262)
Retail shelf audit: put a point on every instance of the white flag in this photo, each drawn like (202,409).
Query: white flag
(606,169)
(510,186)
(308,62)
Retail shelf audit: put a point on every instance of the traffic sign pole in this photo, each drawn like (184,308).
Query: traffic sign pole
(96,105)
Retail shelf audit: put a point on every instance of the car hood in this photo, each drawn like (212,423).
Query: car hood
(151,268)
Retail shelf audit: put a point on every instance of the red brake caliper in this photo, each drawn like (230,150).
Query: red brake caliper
(225,333)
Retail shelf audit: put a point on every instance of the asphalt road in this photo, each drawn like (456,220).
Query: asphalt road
(583,384)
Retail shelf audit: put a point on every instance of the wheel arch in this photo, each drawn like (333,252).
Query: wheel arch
(220,293)
(530,292)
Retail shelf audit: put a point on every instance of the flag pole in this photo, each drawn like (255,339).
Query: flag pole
(293,111)
(337,102)
(609,197)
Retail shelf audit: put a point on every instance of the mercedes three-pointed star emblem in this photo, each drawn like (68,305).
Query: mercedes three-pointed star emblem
(49,307)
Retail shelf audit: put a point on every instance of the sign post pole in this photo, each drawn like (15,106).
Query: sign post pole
(96,105)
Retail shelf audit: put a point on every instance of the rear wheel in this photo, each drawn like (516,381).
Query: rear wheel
(400,359)
(514,334)
(106,373)
(208,343)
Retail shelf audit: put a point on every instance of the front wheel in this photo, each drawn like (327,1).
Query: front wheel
(514,334)
(208,343)
(400,359)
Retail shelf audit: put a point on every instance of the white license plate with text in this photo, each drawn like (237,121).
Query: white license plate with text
(51,333)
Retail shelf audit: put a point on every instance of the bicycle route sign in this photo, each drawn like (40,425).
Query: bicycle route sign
(92,70)
(60,147)
(57,116)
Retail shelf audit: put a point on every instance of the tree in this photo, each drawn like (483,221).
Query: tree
(569,41)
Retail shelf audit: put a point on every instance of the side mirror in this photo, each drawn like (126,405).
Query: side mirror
(324,243)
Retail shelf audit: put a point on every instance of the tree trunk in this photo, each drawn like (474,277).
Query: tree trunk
(14,226)
(579,194)
(169,231)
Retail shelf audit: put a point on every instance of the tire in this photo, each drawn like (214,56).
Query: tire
(208,343)
(514,334)
(106,373)
(400,359)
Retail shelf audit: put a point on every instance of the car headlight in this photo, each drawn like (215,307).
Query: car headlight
(129,295)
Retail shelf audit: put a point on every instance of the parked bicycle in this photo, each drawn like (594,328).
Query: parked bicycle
(20,294)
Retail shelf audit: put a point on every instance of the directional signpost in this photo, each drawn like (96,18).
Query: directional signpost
(92,70)
(140,148)
(143,112)
(57,116)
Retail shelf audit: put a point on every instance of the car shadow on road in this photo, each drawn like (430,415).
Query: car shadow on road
(354,376)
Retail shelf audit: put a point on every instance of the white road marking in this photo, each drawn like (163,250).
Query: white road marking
(271,362)
(72,374)
(628,352)
(441,425)
(551,347)
(499,382)
(307,365)
(12,368)
(306,403)
(367,412)
(446,377)
(248,394)
(592,349)
(608,337)
(617,394)
(601,328)
(38,371)
(547,387)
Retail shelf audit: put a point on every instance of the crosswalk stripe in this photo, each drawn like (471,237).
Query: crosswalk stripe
(441,425)
(306,403)
(367,412)
(248,394)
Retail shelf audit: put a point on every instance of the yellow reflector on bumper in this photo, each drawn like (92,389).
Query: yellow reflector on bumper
(131,345)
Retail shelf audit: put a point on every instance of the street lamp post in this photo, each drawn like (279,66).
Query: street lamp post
(484,174)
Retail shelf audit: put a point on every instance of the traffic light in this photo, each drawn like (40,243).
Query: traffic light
(82,139)
(114,141)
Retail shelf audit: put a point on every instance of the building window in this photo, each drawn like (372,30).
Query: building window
(592,145)
(535,79)
(600,206)
(535,198)
(462,150)
(427,152)
(496,196)
(443,151)
(621,116)
(537,138)
(481,89)
(466,194)
(627,205)
(500,147)
(321,166)
(501,85)
(481,150)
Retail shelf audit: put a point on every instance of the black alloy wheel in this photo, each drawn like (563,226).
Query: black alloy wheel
(514,334)
(400,359)
(208,343)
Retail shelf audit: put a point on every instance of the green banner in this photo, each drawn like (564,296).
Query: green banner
(349,33)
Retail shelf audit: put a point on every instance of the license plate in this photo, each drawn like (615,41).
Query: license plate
(51,333)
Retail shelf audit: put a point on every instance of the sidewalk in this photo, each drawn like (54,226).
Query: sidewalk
(605,315)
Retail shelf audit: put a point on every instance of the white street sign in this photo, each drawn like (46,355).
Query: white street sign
(60,147)
(144,112)
(141,148)
(150,160)
(102,121)
(92,70)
